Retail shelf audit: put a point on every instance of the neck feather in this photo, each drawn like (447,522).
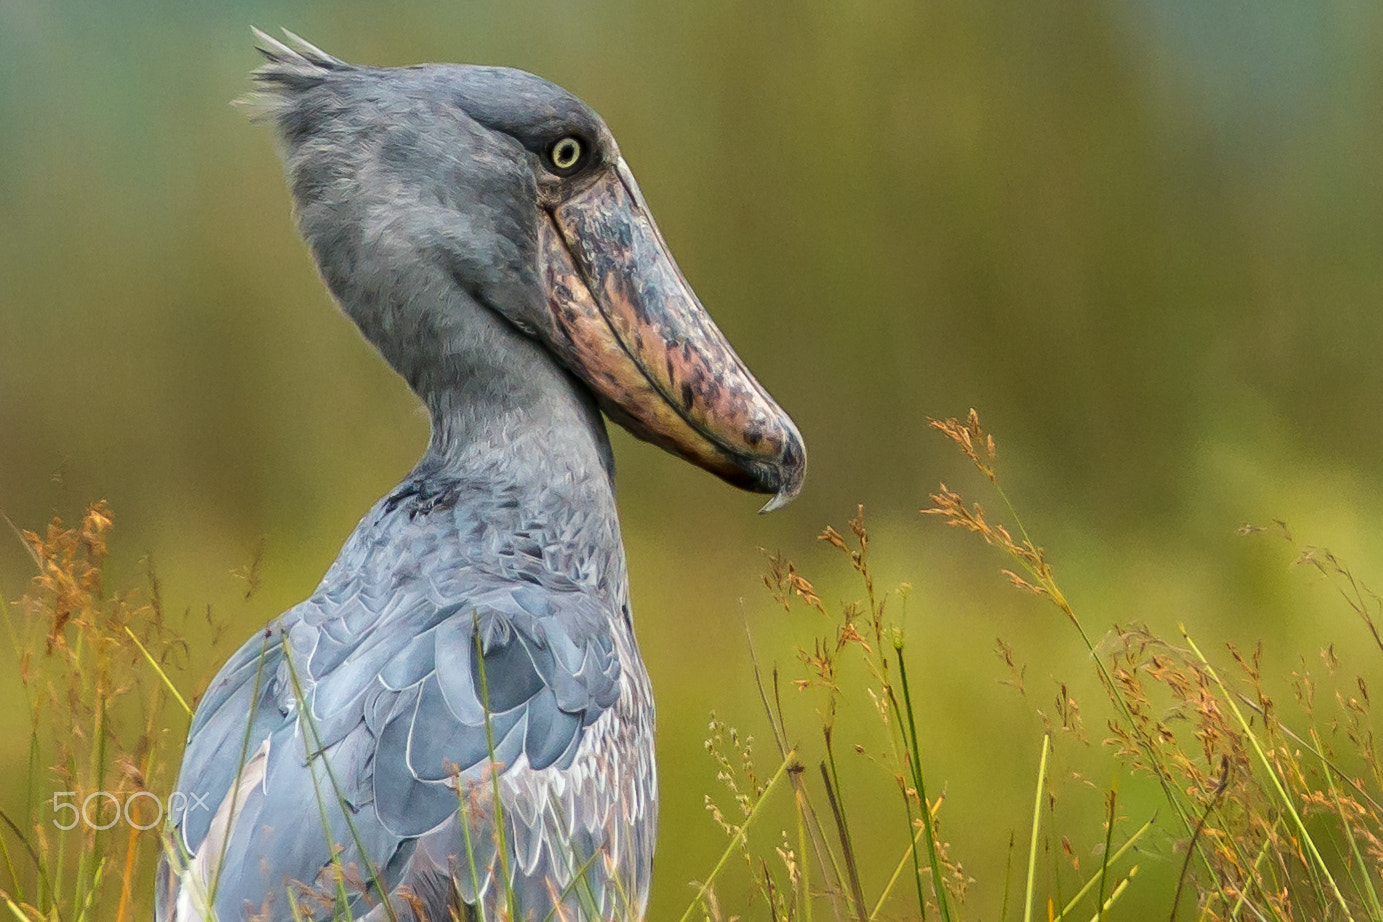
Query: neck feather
(503,411)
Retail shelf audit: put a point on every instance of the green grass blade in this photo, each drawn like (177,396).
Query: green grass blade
(469,844)
(805,866)
(1113,897)
(1008,877)
(33,855)
(312,744)
(1108,841)
(910,852)
(239,770)
(1084,891)
(738,837)
(1362,868)
(915,751)
(1283,797)
(579,875)
(1036,827)
(19,914)
(500,837)
(163,676)
(843,833)
(916,861)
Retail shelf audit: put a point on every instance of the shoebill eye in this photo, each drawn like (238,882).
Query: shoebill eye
(566,155)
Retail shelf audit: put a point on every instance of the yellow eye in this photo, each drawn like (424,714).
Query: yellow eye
(566,154)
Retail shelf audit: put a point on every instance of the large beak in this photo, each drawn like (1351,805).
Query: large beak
(630,326)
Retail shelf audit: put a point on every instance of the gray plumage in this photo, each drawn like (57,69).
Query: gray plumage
(345,758)
(383,654)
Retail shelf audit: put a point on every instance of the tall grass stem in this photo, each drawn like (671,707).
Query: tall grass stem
(1036,827)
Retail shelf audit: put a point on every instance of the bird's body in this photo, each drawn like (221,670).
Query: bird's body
(382,656)
(457,722)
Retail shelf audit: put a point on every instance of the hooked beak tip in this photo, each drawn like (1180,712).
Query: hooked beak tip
(781,499)
(791,470)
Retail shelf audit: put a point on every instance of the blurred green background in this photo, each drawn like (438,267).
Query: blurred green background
(1144,238)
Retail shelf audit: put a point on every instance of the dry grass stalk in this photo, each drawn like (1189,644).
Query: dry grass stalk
(1249,855)
(93,665)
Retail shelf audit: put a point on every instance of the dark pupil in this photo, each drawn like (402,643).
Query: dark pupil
(565,153)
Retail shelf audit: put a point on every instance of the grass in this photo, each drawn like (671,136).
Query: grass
(94,667)
(1271,822)
(1270,786)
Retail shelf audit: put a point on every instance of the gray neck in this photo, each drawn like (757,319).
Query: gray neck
(518,419)
(504,413)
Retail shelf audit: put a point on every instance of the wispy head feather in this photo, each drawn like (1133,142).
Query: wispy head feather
(288,69)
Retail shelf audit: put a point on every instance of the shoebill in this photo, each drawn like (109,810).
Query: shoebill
(457,723)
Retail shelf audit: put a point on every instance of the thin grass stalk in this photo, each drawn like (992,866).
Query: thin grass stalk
(1114,897)
(98,877)
(625,902)
(92,863)
(1104,856)
(911,851)
(308,746)
(579,874)
(843,832)
(17,882)
(500,838)
(1008,877)
(10,869)
(579,884)
(295,908)
(1048,584)
(836,798)
(1036,826)
(316,749)
(131,844)
(1281,792)
(1376,910)
(1084,891)
(240,766)
(1053,856)
(806,813)
(60,871)
(1190,848)
(1263,886)
(1243,860)
(127,875)
(470,853)
(584,894)
(804,895)
(35,757)
(914,750)
(739,835)
(1315,750)
(19,914)
(902,758)
(163,676)
(1254,878)
(916,861)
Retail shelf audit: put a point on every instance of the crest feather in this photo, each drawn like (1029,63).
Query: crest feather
(289,68)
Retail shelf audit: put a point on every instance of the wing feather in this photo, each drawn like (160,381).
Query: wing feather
(395,688)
